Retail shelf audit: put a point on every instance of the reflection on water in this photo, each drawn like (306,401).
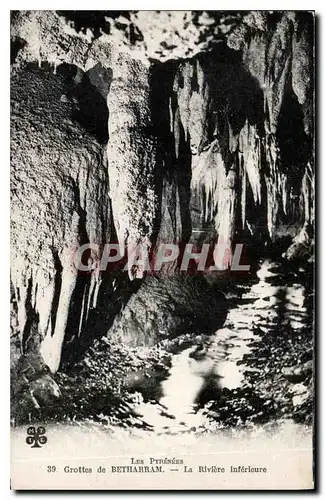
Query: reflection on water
(178,397)
(276,298)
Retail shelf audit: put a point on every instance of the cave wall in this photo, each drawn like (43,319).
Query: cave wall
(246,111)
(133,156)
(149,128)
(59,200)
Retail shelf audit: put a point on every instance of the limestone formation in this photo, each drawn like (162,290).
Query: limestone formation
(59,189)
(150,127)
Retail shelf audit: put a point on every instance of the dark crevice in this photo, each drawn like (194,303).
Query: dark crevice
(184,174)
(80,293)
(32,320)
(295,146)
(16,45)
(57,290)
(91,94)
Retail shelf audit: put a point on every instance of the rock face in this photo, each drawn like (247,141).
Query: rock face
(59,189)
(148,128)
(132,153)
(165,308)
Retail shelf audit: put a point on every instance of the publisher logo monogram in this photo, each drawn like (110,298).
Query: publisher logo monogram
(36,436)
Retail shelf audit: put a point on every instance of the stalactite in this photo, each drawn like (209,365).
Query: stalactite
(20,275)
(51,346)
(205,181)
(192,90)
(83,311)
(278,60)
(253,141)
(302,69)
(210,177)
(250,152)
(91,293)
(96,293)
(303,240)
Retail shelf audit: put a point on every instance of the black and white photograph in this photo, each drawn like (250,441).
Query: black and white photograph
(162,249)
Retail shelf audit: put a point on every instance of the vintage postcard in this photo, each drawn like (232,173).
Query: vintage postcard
(162,250)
